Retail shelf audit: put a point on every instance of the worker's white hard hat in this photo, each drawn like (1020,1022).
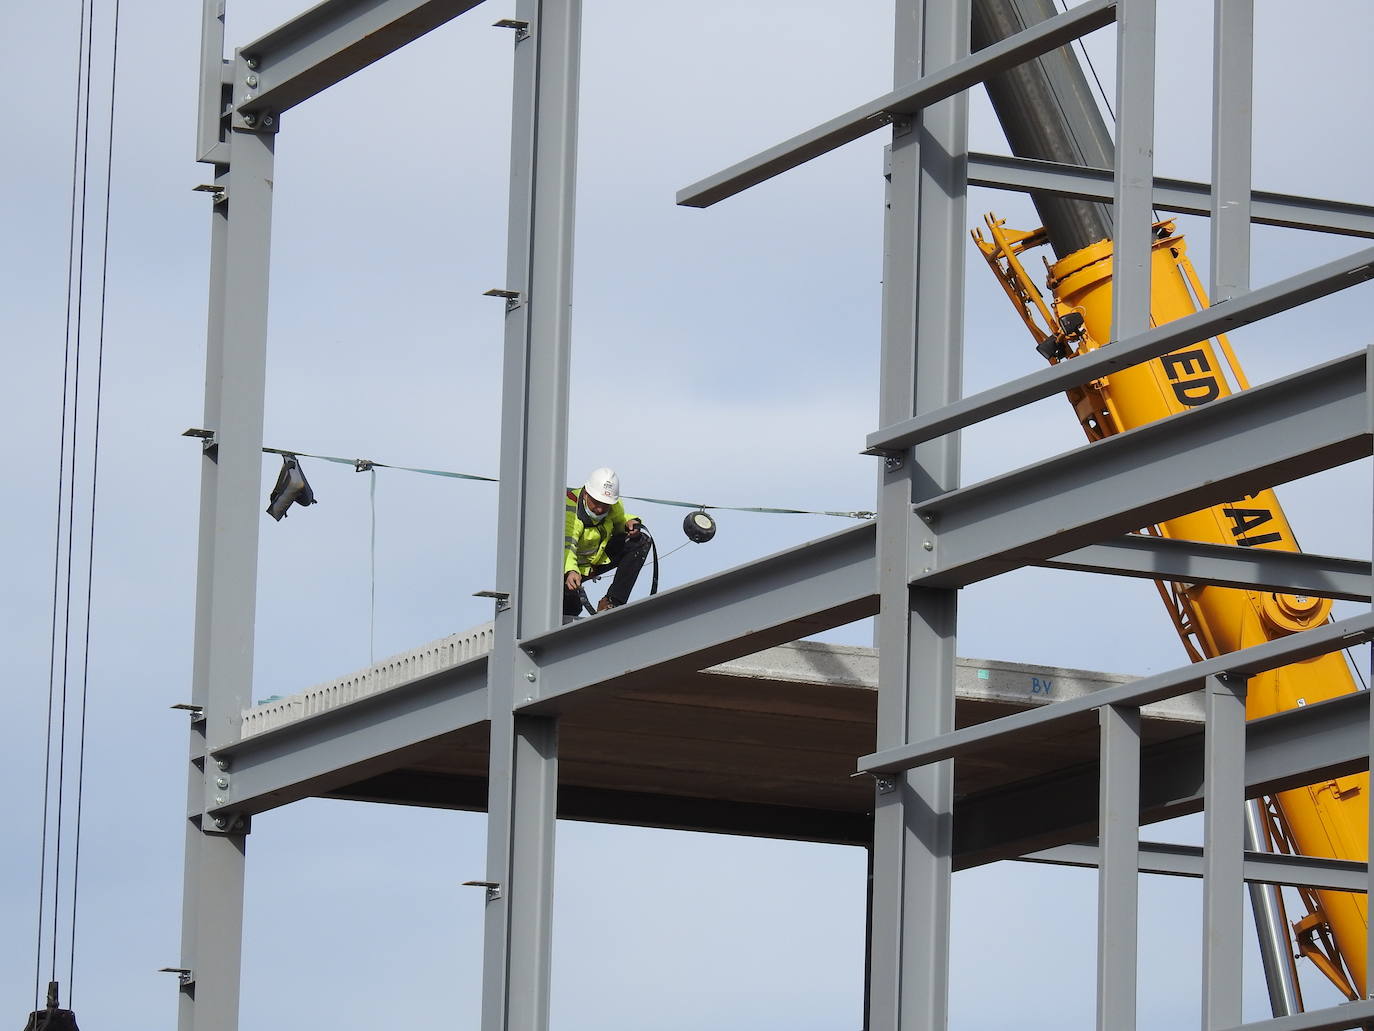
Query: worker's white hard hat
(603,485)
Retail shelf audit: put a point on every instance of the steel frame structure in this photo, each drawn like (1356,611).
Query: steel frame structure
(931,538)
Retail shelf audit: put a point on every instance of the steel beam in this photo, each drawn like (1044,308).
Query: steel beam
(785,596)
(1135,171)
(215,83)
(330,42)
(920,370)
(1293,427)
(1223,836)
(1334,1018)
(1247,662)
(1220,565)
(347,744)
(523,770)
(1118,876)
(1287,750)
(1173,860)
(1257,304)
(1027,175)
(1233,74)
(226,592)
(908,99)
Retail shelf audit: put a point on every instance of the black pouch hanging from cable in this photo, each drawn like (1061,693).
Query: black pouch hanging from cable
(52,1018)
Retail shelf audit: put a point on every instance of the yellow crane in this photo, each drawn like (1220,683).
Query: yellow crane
(1328,819)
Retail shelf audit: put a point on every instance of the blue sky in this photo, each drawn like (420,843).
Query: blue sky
(726,356)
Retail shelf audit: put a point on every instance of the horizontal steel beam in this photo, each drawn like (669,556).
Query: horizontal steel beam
(1302,424)
(1220,318)
(1183,680)
(330,42)
(1334,1018)
(906,101)
(337,747)
(1027,175)
(792,594)
(1284,751)
(1172,860)
(1219,565)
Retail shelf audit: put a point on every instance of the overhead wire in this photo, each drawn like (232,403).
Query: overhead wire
(57,814)
(365,464)
(71,290)
(95,481)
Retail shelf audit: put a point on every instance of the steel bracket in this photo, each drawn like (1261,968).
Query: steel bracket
(502,598)
(514,299)
(493,888)
(521,27)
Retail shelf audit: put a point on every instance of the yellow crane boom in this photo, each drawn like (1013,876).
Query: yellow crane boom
(1329,819)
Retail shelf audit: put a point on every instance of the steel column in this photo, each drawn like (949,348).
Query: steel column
(1233,68)
(921,369)
(522,795)
(226,597)
(1118,878)
(1223,851)
(1271,924)
(1135,127)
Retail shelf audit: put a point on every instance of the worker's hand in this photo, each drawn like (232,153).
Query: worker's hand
(573,580)
(632,526)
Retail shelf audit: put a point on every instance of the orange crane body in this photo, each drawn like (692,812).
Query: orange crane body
(1329,819)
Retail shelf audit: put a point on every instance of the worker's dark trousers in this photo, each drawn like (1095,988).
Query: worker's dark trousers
(626,556)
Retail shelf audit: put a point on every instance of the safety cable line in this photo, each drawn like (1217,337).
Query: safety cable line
(365,464)
(95,480)
(61,484)
(71,484)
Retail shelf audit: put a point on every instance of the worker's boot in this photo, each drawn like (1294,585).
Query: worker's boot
(604,604)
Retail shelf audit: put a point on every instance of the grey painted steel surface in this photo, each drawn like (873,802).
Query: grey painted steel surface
(214,85)
(1233,73)
(822,584)
(1135,168)
(1160,558)
(909,98)
(1292,427)
(921,369)
(1026,175)
(236,358)
(1223,835)
(1257,304)
(1258,867)
(1335,1018)
(1118,875)
(338,747)
(1286,750)
(1271,921)
(331,41)
(1048,112)
(523,770)
(1247,662)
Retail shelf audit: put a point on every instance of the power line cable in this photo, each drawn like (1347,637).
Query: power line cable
(95,480)
(82,99)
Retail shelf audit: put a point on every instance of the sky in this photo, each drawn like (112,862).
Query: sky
(726,356)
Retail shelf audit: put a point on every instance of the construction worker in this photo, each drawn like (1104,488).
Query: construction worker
(597,537)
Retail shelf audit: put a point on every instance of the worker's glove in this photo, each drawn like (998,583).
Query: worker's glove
(633,526)
(573,580)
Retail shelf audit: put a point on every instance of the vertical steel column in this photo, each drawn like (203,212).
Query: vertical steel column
(522,795)
(1118,878)
(226,591)
(1223,842)
(1233,72)
(1135,124)
(921,371)
(1271,926)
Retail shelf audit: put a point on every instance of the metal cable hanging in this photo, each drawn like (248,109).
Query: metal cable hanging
(71,487)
